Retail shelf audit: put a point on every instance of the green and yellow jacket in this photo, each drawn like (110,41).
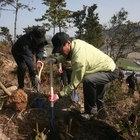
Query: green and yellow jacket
(85,59)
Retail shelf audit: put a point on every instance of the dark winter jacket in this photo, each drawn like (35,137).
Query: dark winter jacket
(27,47)
(131,80)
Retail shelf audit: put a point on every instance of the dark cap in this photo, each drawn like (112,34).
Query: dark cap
(59,40)
(39,34)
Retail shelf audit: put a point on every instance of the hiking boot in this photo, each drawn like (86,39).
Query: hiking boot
(85,117)
(102,114)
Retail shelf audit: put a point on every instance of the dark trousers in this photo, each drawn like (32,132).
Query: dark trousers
(94,87)
(66,76)
(131,89)
(21,69)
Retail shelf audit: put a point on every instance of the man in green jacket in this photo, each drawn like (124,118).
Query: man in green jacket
(90,66)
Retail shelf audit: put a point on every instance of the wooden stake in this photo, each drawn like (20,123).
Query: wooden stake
(5,89)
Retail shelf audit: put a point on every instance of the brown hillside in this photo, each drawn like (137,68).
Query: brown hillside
(18,118)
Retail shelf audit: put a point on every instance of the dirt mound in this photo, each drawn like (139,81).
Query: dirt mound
(18,101)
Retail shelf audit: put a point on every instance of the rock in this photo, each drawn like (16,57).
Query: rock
(18,100)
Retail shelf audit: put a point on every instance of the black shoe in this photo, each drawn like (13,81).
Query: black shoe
(102,114)
(85,117)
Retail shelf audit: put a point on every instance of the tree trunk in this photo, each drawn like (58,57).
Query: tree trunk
(15,23)
(54,30)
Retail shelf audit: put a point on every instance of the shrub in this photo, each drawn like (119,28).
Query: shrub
(114,92)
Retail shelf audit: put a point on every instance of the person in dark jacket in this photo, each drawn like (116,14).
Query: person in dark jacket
(23,51)
(131,80)
(121,76)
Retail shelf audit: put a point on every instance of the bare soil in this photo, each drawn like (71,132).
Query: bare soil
(20,119)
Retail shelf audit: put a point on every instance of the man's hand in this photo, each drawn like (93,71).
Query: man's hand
(60,70)
(39,63)
(53,98)
(51,60)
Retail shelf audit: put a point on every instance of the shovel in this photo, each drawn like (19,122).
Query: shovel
(39,102)
(52,104)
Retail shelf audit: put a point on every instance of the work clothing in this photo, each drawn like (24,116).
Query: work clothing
(131,80)
(94,87)
(85,60)
(23,52)
(92,67)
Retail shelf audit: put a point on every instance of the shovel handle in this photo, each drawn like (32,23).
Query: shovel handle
(37,80)
(51,81)
(40,70)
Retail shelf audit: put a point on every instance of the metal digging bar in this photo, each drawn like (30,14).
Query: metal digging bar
(52,104)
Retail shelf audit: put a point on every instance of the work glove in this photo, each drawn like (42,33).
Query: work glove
(52,60)
(39,63)
(60,70)
(53,98)
(74,96)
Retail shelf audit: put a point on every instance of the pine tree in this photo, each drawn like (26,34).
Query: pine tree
(93,30)
(56,15)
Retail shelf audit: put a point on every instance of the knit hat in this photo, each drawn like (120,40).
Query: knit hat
(39,34)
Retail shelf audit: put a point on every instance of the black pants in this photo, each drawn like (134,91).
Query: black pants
(94,87)
(21,69)
(131,89)
(66,76)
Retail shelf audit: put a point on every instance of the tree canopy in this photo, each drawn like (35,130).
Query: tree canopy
(122,36)
(6,34)
(56,16)
(87,23)
(16,5)
(119,38)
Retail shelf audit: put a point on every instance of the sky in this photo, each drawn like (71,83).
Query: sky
(105,9)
